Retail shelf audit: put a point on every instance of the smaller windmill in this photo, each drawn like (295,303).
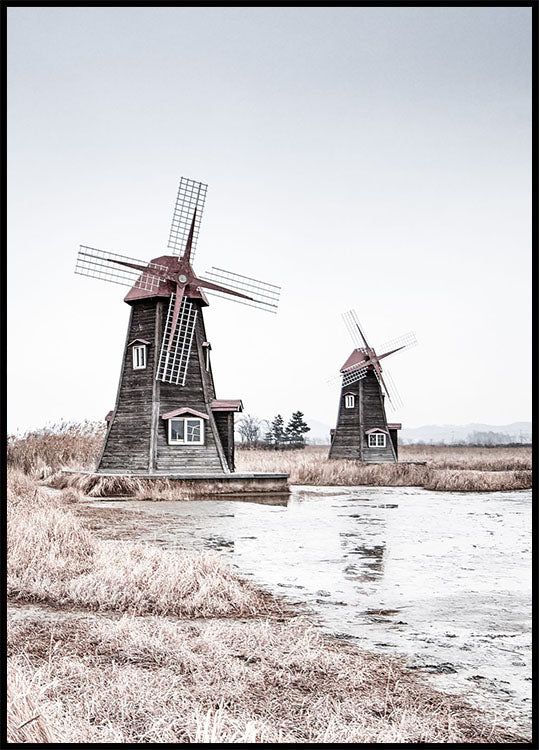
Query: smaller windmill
(363,432)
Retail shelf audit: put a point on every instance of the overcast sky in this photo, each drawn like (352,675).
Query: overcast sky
(369,158)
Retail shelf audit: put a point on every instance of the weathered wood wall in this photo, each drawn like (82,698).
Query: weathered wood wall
(225,427)
(138,439)
(346,441)
(127,443)
(350,440)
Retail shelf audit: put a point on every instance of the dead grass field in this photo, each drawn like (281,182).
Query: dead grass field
(447,468)
(137,644)
(91,679)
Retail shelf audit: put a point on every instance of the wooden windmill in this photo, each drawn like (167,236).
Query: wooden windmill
(363,432)
(167,419)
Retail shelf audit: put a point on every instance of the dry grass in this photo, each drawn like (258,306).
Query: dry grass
(93,679)
(464,469)
(470,458)
(138,677)
(42,452)
(52,558)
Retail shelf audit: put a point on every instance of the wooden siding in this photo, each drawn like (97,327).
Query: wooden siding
(346,442)
(350,440)
(225,427)
(374,415)
(138,437)
(128,441)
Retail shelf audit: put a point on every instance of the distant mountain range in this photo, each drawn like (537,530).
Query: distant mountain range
(440,433)
(518,432)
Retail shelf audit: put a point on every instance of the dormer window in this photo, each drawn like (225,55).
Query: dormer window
(140,353)
(139,357)
(349,401)
(185,430)
(206,347)
(185,426)
(377,440)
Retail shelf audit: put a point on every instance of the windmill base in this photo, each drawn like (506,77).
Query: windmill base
(205,484)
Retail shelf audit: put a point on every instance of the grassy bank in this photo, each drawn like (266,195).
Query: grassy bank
(459,469)
(42,454)
(131,643)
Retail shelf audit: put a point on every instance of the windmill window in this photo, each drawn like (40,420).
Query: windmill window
(185,431)
(139,357)
(349,401)
(377,440)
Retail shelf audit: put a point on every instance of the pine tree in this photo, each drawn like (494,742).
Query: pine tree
(277,433)
(296,429)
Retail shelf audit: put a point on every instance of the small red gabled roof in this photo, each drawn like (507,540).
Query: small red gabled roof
(184,410)
(231,404)
(109,415)
(375,429)
(139,341)
(394,426)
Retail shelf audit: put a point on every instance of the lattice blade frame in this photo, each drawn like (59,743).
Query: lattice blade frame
(407,340)
(99,264)
(264,296)
(353,374)
(355,329)
(172,367)
(191,196)
(395,399)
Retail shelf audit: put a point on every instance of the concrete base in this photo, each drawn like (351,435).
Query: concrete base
(212,484)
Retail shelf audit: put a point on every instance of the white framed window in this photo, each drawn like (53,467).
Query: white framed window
(377,440)
(207,358)
(349,401)
(185,431)
(139,357)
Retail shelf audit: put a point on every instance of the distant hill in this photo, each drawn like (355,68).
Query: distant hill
(438,433)
(455,433)
(441,433)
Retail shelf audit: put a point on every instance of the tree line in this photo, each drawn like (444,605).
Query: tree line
(274,435)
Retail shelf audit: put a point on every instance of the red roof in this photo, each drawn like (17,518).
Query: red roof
(166,288)
(226,405)
(375,429)
(395,426)
(357,357)
(109,416)
(184,410)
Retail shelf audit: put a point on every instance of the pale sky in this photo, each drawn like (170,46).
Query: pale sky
(369,158)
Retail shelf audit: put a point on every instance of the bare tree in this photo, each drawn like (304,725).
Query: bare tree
(249,429)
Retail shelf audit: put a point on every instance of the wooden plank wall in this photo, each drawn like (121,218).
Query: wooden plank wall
(128,441)
(346,440)
(374,415)
(137,439)
(197,393)
(350,440)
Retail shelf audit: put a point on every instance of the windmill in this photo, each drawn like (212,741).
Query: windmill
(167,419)
(362,431)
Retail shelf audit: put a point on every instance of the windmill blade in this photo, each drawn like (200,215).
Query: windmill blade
(406,341)
(353,374)
(262,295)
(348,376)
(395,400)
(393,396)
(174,358)
(100,264)
(355,329)
(189,203)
